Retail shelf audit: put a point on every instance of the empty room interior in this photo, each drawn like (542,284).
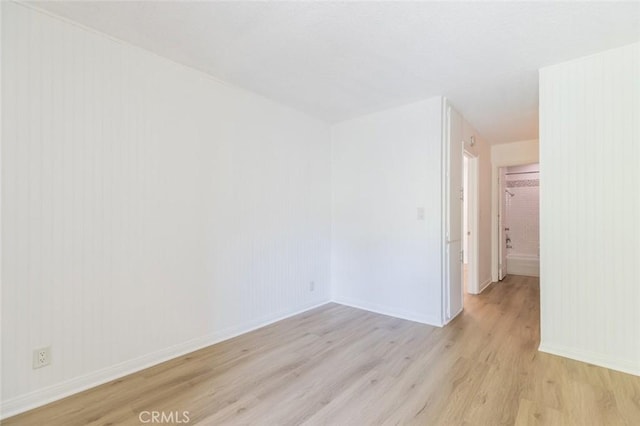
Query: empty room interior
(320,213)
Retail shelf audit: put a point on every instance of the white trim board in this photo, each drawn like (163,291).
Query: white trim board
(377,309)
(523,266)
(484,285)
(590,358)
(454,316)
(472,196)
(58,391)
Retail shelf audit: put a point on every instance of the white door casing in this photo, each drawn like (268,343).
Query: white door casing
(471,202)
(502,224)
(453,152)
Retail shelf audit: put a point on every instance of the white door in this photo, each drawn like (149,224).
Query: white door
(453,234)
(466,233)
(502,184)
(470,203)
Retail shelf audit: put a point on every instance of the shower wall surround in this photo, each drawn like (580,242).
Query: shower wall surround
(523,219)
(523,213)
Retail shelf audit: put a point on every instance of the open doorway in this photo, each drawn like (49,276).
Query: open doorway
(470,224)
(519,221)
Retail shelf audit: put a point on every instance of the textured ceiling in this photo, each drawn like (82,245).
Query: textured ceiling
(337,60)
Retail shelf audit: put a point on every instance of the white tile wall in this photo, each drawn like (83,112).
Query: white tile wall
(523,214)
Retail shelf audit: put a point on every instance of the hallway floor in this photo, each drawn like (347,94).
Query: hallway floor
(337,365)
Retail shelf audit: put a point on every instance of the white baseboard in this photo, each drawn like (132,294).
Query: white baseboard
(598,359)
(453,316)
(385,310)
(485,284)
(61,390)
(523,265)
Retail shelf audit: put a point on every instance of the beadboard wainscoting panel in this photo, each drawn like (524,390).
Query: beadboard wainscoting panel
(589,208)
(145,206)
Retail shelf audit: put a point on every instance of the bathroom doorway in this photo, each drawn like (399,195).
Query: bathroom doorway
(519,221)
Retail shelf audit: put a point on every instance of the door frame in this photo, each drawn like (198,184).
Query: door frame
(449,145)
(473,212)
(496,199)
(502,233)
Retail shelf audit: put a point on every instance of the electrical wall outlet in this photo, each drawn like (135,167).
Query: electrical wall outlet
(312,286)
(41,357)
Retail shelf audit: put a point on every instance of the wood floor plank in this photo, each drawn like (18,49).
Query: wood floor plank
(337,365)
(531,413)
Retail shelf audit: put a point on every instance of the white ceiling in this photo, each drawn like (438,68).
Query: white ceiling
(337,60)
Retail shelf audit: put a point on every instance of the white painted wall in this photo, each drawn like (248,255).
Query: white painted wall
(385,166)
(503,155)
(515,153)
(590,205)
(1,185)
(148,209)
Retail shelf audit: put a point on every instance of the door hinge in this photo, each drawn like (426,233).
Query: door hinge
(461,256)
(462,194)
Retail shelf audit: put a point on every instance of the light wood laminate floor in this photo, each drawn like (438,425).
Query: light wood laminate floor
(337,365)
